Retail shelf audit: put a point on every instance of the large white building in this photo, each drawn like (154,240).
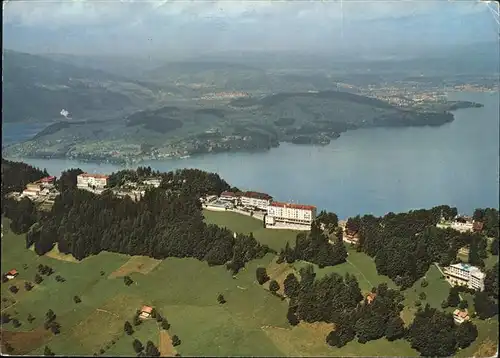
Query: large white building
(290,213)
(465,275)
(462,225)
(255,200)
(154,182)
(89,181)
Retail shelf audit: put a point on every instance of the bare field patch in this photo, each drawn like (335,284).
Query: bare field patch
(24,342)
(97,330)
(278,272)
(140,264)
(58,255)
(305,339)
(318,328)
(105,323)
(123,306)
(166,347)
(487,349)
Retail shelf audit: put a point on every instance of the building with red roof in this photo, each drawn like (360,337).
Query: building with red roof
(48,180)
(290,213)
(460,316)
(370,297)
(12,274)
(146,312)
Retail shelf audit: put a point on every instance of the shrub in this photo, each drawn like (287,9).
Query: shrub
(16,323)
(175,340)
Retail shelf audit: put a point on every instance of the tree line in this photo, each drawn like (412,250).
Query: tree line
(315,246)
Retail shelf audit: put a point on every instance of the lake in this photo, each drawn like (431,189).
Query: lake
(366,171)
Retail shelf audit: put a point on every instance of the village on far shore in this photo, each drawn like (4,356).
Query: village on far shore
(261,206)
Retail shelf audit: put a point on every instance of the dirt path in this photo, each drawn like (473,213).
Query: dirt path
(166,347)
(362,274)
(111,313)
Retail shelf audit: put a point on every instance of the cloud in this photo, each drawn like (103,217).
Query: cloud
(93,12)
(171,25)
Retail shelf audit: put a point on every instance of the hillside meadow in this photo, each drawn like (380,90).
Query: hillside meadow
(251,323)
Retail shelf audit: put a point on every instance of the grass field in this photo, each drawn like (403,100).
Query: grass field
(489,262)
(252,322)
(436,291)
(358,264)
(274,238)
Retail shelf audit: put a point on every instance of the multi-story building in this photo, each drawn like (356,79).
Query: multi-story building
(257,200)
(88,181)
(154,182)
(465,275)
(32,190)
(229,196)
(290,213)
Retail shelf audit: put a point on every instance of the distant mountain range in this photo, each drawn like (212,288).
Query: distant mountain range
(37,88)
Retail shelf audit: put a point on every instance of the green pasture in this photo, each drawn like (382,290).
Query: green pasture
(251,323)
(274,238)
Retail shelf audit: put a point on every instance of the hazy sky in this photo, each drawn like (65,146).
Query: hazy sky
(162,27)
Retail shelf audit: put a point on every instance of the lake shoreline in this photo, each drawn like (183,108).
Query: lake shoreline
(374,171)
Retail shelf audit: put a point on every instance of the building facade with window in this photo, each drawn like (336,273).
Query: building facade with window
(290,213)
(257,200)
(85,181)
(465,275)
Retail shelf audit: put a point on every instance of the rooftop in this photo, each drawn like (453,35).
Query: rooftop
(31,190)
(370,297)
(48,179)
(12,272)
(467,267)
(98,176)
(461,314)
(257,195)
(293,206)
(147,309)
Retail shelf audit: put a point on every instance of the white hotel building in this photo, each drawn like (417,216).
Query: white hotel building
(88,181)
(465,275)
(290,213)
(256,200)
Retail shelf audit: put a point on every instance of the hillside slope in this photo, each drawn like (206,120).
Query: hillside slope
(37,88)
